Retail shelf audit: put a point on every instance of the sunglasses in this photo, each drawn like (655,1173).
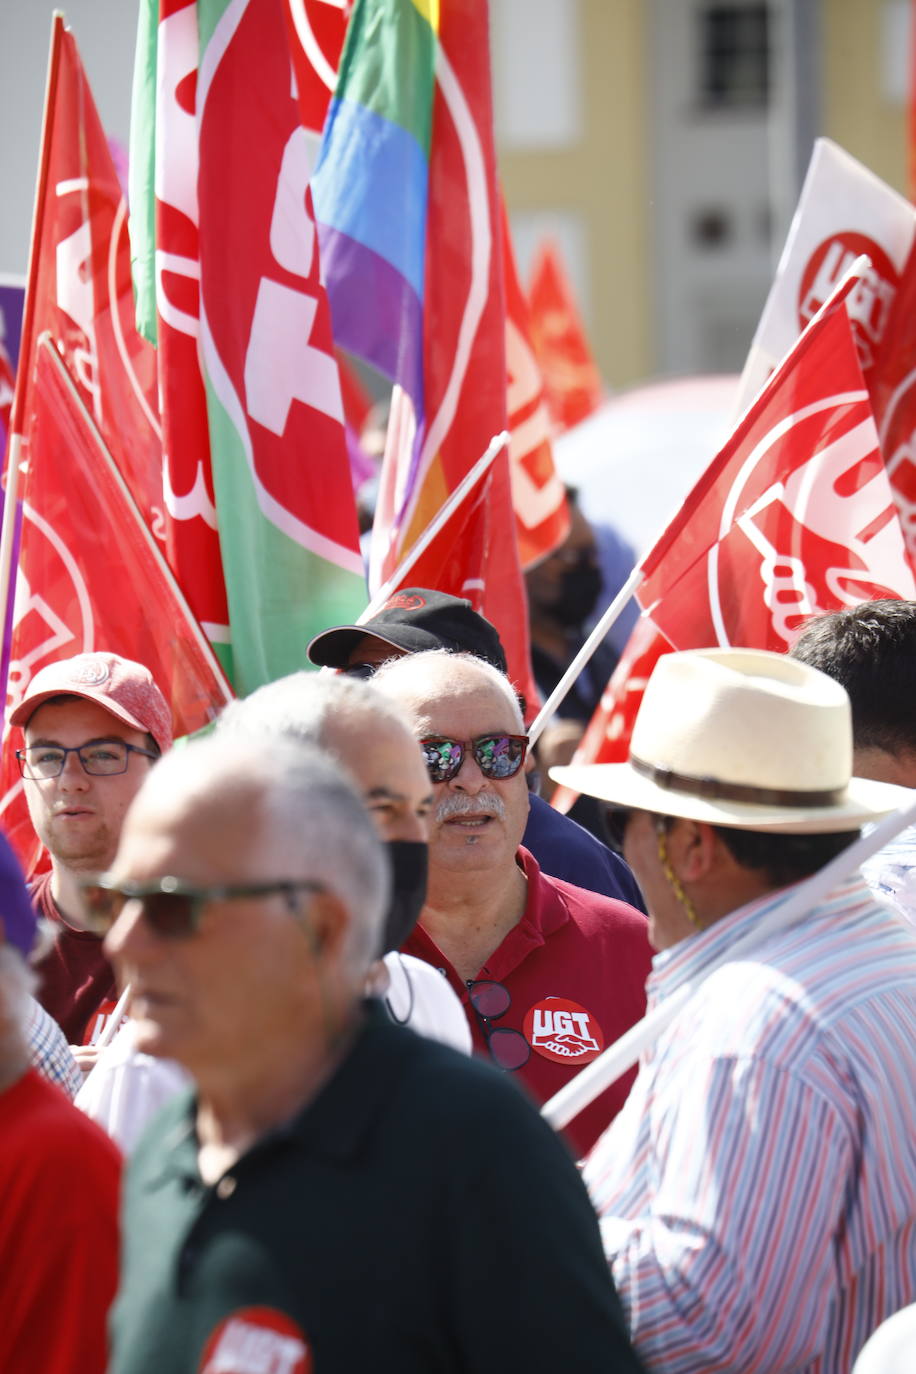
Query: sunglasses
(172,908)
(489,1001)
(497,756)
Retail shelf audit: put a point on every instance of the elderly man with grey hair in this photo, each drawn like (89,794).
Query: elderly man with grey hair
(366,733)
(281,1217)
(548,973)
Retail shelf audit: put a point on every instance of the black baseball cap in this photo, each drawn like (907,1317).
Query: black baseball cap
(415,619)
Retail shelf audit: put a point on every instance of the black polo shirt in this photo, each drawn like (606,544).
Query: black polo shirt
(418,1215)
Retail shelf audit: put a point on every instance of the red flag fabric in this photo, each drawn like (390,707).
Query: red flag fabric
(80,285)
(169,308)
(892,384)
(795,516)
(572,382)
(92,577)
(538,495)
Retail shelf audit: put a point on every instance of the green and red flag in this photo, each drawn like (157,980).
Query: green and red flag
(274,455)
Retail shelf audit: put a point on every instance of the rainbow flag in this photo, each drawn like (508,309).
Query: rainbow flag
(407,206)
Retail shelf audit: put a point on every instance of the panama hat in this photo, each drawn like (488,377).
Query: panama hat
(745,738)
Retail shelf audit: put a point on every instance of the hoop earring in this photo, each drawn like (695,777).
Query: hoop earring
(674,881)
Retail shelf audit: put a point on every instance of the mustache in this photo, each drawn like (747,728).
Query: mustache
(487,803)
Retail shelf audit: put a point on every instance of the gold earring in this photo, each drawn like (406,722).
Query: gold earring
(673,880)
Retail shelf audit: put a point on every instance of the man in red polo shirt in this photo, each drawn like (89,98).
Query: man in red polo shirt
(549,973)
(93,726)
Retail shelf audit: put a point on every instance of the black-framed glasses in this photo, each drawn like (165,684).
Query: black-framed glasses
(616,820)
(361,670)
(99,758)
(173,908)
(489,1001)
(497,756)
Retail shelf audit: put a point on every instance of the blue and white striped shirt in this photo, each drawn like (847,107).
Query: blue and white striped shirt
(49,1051)
(758,1190)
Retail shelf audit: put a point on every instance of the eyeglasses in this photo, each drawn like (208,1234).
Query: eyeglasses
(497,756)
(489,1001)
(172,908)
(100,758)
(616,820)
(361,670)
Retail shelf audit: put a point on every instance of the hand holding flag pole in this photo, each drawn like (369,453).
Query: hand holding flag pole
(576,1095)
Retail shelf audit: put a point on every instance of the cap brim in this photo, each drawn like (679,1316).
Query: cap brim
(619,784)
(332,648)
(27,708)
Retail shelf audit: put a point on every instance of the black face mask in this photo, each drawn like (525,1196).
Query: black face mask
(580,587)
(409,864)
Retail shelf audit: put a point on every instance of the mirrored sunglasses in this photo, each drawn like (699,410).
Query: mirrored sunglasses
(170,907)
(497,756)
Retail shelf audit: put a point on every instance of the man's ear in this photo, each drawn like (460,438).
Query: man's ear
(692,849)
(325,921)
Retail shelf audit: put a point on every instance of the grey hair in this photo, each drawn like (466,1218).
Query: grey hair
(305,797)
(308,707)
(408,670)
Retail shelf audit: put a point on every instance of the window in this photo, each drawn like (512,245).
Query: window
(734,56)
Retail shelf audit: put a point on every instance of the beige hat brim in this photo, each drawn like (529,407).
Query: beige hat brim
(619,784)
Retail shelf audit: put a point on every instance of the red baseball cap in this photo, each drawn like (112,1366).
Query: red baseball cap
(124,689)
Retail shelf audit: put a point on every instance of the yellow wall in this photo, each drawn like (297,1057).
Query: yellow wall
(605,179)
(855,112)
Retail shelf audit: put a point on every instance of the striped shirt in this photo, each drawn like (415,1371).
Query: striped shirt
(49,1051)
(758,1190)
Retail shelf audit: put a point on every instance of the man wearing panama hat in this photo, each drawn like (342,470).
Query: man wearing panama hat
(758,1190)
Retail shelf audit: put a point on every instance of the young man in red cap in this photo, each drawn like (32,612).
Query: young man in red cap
(93,725)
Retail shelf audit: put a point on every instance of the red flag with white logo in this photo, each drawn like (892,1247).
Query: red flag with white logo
(538,495)
(92,577)
(892,384)
(572,382)
(844,210)
(795,516)
(80,285)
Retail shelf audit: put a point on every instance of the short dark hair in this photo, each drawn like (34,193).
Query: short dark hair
(870,650)
(782,858)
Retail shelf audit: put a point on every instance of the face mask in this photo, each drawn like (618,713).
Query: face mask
(580,587)
(409,862)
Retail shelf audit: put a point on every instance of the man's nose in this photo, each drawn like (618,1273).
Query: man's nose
(469,777)
(73,774)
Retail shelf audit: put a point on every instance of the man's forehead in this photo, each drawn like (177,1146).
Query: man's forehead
(62,713)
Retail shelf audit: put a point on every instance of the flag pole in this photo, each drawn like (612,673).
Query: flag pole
(442,516)
(23,372)
(580,1091)
(562,688)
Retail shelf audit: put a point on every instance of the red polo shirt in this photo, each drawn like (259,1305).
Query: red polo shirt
(76,982)
(575,967)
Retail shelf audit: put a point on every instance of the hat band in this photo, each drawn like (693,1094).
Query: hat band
(735,791)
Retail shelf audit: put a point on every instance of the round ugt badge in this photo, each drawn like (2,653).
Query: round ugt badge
(257,1340)
(563,1031)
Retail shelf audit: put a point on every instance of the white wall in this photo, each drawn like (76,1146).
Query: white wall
(105,31)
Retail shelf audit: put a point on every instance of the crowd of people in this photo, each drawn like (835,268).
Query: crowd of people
(278,1018)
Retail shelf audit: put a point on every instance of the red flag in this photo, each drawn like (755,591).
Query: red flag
(795,516)
(571,378)
(607,738)
(80,286)
(92,577)
(538,495)
(164,231)
(892,384)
